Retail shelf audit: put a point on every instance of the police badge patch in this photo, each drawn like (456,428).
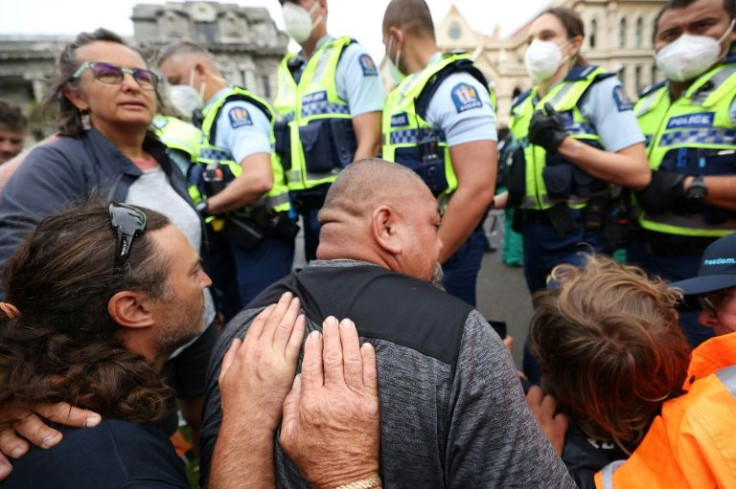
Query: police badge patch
(239,117)
(622,100)
(368,66)
(465,97)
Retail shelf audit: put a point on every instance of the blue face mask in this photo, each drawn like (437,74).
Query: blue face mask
(393,66)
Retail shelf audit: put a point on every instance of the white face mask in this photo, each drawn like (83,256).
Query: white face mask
(393,66)
(690,56)
(298,21)
(542,59)
(185,99)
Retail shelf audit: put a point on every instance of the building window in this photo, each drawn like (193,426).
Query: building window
(266,86)
(655,77)
(592,38)
(637,79)
(622,32)
(639,32)
(622,75)
(455,31)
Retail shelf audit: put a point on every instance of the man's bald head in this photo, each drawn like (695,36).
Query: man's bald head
(366,184)
(382,213)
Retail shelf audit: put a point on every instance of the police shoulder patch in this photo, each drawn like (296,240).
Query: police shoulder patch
(368,66)
(239,117)
(465,97)
(622,100)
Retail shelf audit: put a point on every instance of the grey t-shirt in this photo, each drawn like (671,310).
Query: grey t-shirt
(460,423)
(153,190)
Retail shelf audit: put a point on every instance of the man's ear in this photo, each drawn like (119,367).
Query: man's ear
(385,229)
(131,309)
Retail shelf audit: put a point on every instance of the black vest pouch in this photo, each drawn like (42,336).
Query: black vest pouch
(516,177)
(430,168)
(316,138)
(558,177)
(282,134)
(344,142)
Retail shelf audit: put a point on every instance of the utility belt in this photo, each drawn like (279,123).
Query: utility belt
(327,144)
(562,178)
(250,231)
(609,215)
(311,199)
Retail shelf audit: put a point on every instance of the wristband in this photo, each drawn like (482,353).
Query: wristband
(371,482)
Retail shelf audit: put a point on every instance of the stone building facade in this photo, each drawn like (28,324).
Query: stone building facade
(244,40)
(618,36)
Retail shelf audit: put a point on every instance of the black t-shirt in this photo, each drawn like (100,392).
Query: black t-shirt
(114,455)
(584,456)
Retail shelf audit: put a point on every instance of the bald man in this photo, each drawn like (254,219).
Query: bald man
(452,409)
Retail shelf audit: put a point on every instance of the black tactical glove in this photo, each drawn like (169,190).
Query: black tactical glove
(664,193)
(547,129)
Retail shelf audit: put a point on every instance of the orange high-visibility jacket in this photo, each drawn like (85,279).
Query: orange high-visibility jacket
(692,444)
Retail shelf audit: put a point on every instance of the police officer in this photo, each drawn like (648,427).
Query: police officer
(330,97)
(578,136)
(257,241)
(439,121)
(690,124)
(183,141)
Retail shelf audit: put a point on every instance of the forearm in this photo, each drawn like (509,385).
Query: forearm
(367,128)
(255,180)
(464,212)
(628,167)
(721,191)
(243,455)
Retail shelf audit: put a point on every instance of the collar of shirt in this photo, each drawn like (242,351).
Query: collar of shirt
(214,98)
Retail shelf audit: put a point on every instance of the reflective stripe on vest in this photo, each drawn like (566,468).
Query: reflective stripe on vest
(400,105)
(607,473)
(728,377)
(277,197)
(318,81)
(699,120)
(564,97)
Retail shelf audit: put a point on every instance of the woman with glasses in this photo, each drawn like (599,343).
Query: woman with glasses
(105,97)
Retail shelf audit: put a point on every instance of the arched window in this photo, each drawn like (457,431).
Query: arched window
(639,32)
(622,32)
(637,79)
(592,37)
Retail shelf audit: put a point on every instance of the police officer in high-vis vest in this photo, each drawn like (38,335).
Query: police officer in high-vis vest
(578,138)
(439,121)
(690,124)
(578,142)
(330,99)
(240,175)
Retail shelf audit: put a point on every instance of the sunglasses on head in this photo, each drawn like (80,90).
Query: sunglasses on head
(113,75)
(128,222)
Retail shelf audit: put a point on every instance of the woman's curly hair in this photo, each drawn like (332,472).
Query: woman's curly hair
(610,347)
(64,345)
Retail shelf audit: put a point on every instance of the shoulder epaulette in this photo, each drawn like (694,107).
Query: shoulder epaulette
(652,88)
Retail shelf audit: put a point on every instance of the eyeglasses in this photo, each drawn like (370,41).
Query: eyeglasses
(712,301)
(128,222)
(113,75)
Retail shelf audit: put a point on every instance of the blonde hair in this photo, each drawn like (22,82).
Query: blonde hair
(610,347)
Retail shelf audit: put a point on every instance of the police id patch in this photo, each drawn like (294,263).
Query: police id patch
(368,66)
(239,117)
(465,97)
(700,120)
(399,120)
(622,100)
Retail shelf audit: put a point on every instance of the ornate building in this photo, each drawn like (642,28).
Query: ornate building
(244,40)
(618,36)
